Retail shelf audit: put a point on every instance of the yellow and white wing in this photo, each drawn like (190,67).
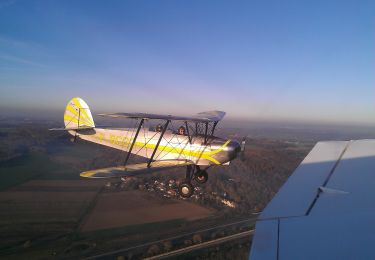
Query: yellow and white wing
(134,169)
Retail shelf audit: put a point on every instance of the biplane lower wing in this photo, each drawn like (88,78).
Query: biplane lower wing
(72,128)
(134,169)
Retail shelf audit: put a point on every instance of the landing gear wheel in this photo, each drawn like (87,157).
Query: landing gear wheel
(186,189)
(201,177)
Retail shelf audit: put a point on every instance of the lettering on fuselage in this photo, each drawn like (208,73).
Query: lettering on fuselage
(99,136)
(112,139)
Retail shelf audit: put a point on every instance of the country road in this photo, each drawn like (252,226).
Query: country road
(202,245)
(110,255)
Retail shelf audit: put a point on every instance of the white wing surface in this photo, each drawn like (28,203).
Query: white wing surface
(326,209)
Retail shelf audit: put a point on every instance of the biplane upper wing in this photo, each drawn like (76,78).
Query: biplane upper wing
(134,169)
(209,116)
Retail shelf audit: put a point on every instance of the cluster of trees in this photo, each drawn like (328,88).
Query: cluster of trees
(252,180)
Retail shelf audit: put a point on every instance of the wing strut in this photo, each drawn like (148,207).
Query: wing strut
(157,144)
(213,128)
(187,131)
(134,140)
(205,133)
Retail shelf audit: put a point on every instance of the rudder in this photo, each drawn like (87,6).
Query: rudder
(77,114)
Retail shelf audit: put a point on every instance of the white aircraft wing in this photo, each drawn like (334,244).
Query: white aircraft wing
(325,210)
(134,169)
(210,116)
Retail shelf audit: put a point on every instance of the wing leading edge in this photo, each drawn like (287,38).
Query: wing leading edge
(326,208)
(134,169)
(209,116)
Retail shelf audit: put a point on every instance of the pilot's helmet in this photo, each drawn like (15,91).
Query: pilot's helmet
(181,130)
(158,128)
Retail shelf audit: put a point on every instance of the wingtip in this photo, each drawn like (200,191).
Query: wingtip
(87,174)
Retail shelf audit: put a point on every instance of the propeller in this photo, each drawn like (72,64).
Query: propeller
(243,144)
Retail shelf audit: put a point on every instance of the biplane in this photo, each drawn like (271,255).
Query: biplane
(193,146)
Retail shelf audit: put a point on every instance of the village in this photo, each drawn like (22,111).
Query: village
(169,190)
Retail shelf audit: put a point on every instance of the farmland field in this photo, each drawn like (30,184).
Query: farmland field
(118,209)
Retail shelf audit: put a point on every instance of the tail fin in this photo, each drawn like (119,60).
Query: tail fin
(77,115)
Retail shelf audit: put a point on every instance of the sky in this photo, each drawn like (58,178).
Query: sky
(284,61)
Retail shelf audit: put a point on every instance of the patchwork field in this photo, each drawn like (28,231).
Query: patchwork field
(118,209)
(82,185)
(44,201)
(47,213)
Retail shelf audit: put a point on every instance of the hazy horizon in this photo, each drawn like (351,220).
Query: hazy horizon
(229,121)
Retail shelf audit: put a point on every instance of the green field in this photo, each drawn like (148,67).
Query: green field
(25,168)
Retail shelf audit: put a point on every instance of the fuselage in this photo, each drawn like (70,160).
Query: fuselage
(215,151)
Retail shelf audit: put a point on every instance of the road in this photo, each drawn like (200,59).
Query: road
(110,255)
(202,245)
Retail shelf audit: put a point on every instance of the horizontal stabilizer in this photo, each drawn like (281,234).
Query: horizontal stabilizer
(134,169)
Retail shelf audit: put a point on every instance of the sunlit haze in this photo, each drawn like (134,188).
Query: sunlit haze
(292,61)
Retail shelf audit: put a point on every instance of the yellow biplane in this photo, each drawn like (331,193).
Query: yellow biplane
(193,146)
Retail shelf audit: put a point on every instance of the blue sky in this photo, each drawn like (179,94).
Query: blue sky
(308,61)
